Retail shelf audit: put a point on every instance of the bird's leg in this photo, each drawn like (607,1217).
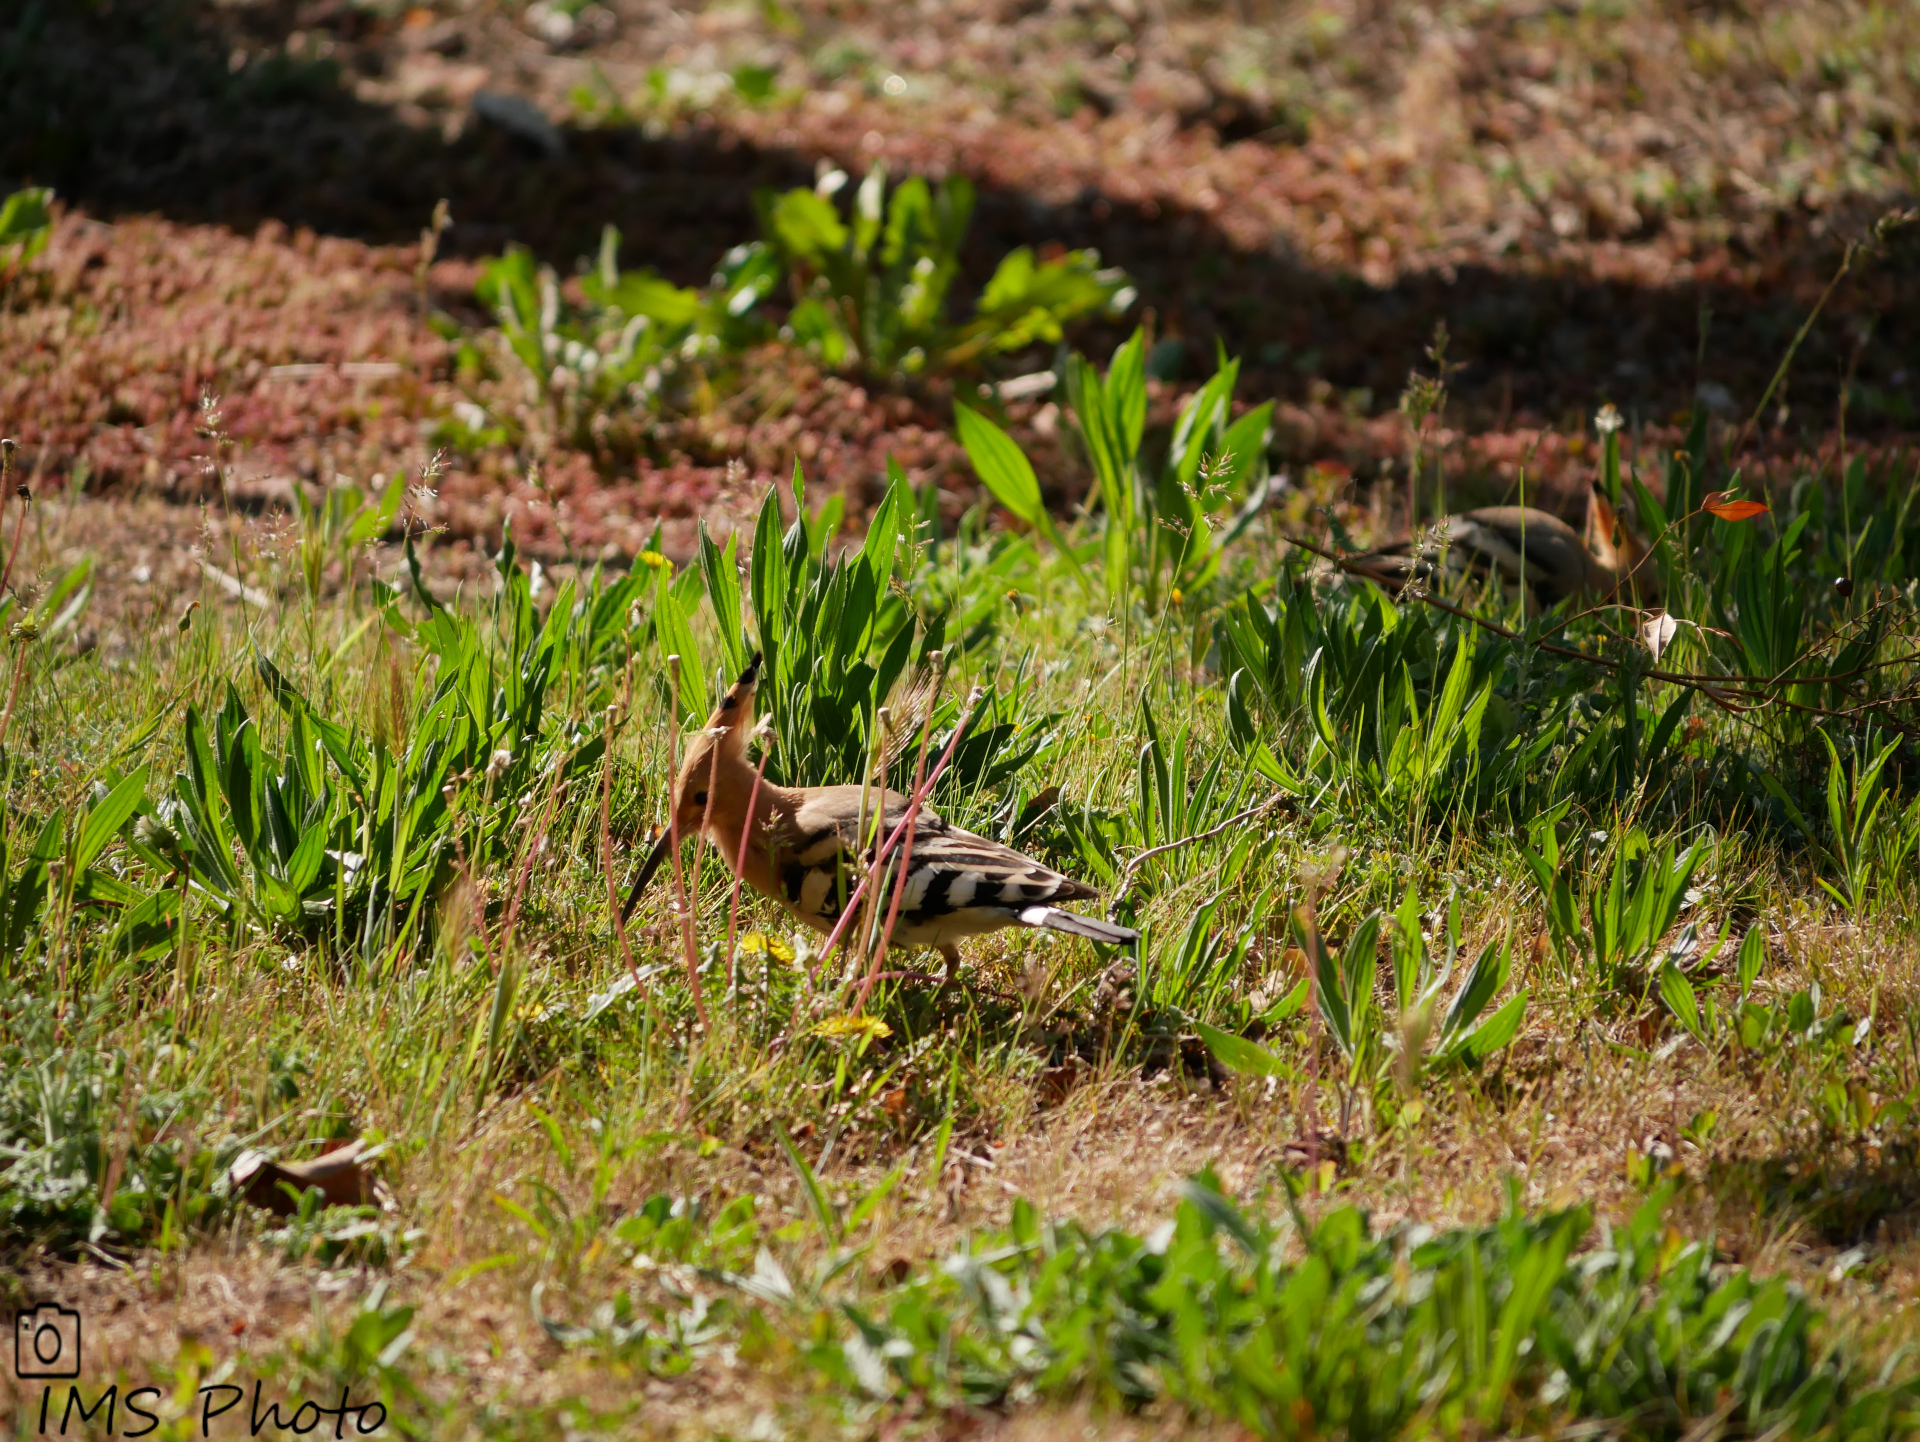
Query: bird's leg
(952,955)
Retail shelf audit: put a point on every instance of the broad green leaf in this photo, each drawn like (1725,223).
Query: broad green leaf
(769,577)
(1753,956)
(823,1211)
(24,212)
(675,636)
(1328,994)
(1126,394)
(1483,980)
(1679,996)
(808,226)
(1408,949)
(1497,1030)
(1359,959)
(870,211)
(26,222)
(824,524)
(721,574)
(373,520)
(1222,1213)
(112,812)
(1236,1053)
(1006,472)
(303,867)
(883,531)
(1002,467)
(1534,1276)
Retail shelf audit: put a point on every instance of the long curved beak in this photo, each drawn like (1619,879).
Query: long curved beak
(662,844)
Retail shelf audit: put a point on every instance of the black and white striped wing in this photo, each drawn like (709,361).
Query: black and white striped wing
(1509,543)
(957,884)
(1542,550)
(815,854)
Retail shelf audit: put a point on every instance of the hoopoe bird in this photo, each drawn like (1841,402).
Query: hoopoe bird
(1520,545)
(805,851)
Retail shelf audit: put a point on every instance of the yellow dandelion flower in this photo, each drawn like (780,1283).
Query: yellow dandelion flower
(1177,597)
(756,943)
(853,1026)
(653,559)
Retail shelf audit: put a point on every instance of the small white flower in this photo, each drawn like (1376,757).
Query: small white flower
(1608,420)
(498,763)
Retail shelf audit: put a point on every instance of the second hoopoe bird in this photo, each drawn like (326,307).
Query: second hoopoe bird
(804,849)
(1516,545)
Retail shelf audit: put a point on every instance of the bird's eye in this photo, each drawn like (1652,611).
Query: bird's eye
(699,798)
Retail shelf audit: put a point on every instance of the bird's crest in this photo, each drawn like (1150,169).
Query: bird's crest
(1613,543)
(727,728)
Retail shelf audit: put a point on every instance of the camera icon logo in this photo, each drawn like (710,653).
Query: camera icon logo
(46,1342)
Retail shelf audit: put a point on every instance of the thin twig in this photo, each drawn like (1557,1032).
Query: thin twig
(876,747)
(740,862)
(706,823)
(876,765)
(673,830)
(606,852)
(913,806)
(938,659)
(906,856)
(20,651)
(13,691)
(26,496)
(1126,872)
(535,845)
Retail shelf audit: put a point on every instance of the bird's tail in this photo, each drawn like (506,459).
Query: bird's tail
(1053,918)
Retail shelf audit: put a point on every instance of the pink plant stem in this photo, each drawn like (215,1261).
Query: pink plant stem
(19,531)
(20,651)
(13,691)
(900,877)
(913,807)
(706,822)
(673,830)
(606,861)
(534,847)
(740,861)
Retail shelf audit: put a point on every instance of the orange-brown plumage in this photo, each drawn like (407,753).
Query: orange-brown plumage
(804,847)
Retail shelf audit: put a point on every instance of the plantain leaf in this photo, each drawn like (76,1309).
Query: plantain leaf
(1236,1053)
(676,639)
(103,823)
(720,571)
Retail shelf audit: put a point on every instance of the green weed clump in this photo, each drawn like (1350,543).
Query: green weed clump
(870,290)
(26,224)
(631,343)
(614,350)
(98,1144)
(1322,1328)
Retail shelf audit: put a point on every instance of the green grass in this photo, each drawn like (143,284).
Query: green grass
(1438,922)
(866,293)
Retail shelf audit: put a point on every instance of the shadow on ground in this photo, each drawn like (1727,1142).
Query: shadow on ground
(166,106)
(1839,1194)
